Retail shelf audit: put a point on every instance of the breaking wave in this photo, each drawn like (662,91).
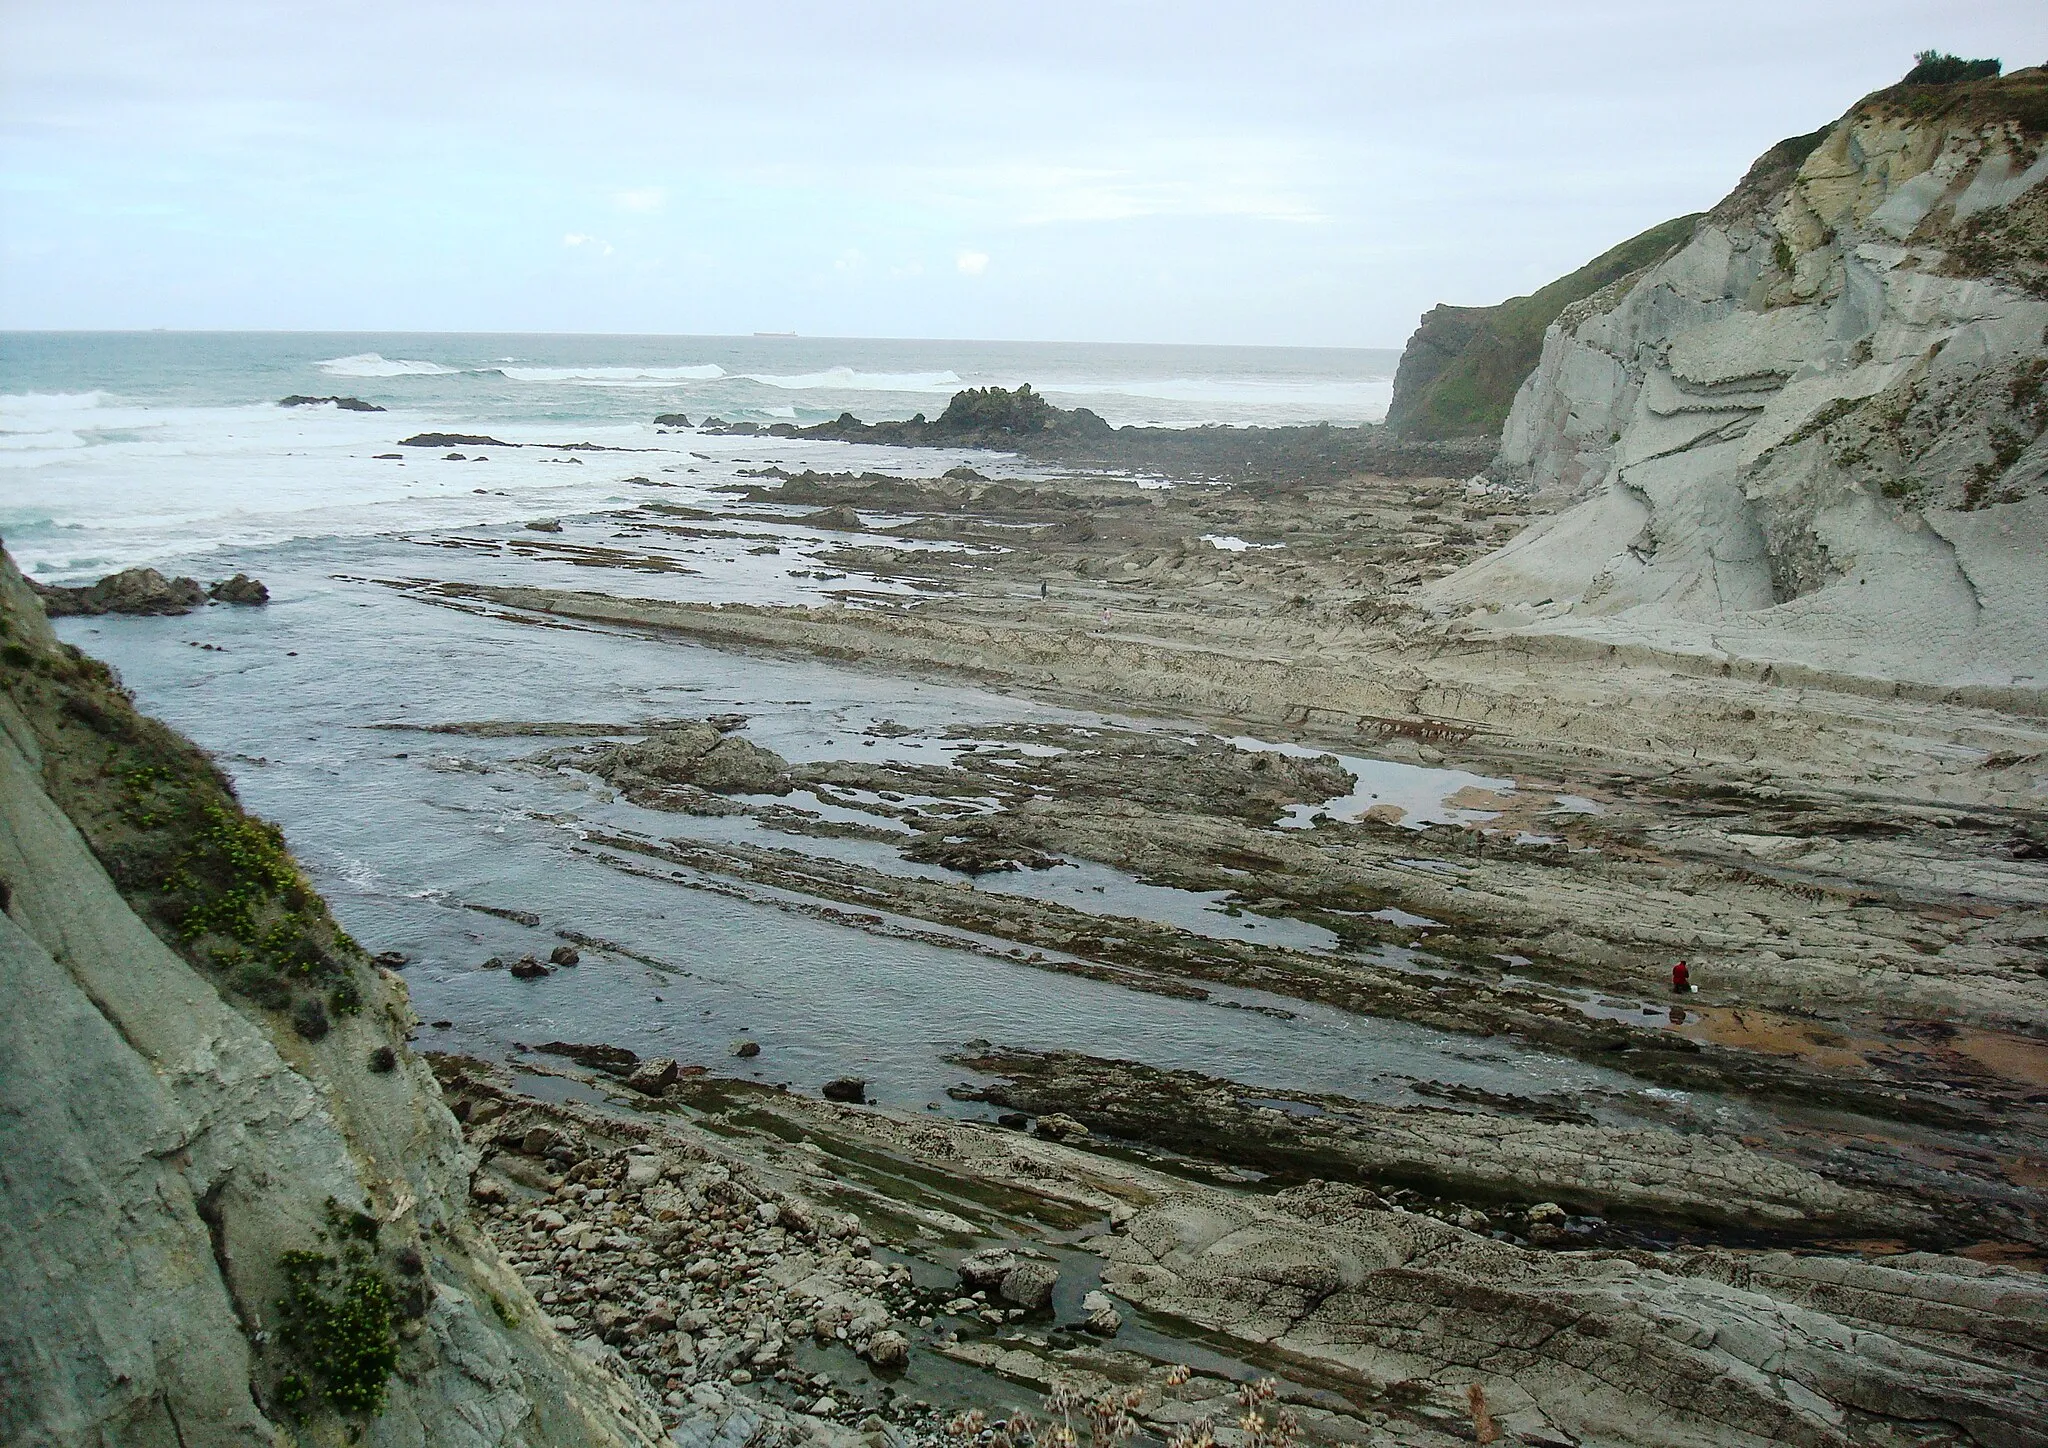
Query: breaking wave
(371,364)
(616,376)
(845,379)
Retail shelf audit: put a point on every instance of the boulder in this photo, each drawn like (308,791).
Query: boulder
(240,589)
(672,419)
(846,1088)
(889,1351)
(545,525)
(1060,1127)
(1029,1285)
(527,968)
(1099,1315)
(652,1077)
(564,955)
(746,1050)
(984,1270)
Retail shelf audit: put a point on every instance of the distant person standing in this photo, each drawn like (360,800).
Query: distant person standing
(1681,978)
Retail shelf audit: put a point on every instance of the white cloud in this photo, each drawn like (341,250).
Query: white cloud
(972,263)
(577,238)
(643,198)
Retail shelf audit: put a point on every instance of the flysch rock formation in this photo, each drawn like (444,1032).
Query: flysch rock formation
(1813,437)
(162,1146)
(1699,1348)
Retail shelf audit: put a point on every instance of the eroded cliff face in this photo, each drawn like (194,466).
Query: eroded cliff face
(1815,433)
(166,1138)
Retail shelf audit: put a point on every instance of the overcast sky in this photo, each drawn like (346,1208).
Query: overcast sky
(1178,172)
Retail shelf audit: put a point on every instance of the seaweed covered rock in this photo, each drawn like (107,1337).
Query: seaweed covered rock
(240,589)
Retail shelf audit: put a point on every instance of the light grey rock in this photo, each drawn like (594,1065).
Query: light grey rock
(1683,1348)
(1800,440)
(1029,1285)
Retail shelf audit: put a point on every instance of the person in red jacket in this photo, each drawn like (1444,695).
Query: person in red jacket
(1681,979)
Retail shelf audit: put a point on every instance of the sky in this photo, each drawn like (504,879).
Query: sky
(1116,170)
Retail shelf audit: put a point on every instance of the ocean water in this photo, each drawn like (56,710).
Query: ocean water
(119,449)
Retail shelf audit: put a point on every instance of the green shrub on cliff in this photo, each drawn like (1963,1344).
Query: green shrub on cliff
(337,1322)
(1932,67)
(216,883)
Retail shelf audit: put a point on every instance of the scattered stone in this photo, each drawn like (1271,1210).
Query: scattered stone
(1546,1223)
(985,1269)
(1099,1314)
(564,955)
(527,968)
(746,1050)
(851,1089)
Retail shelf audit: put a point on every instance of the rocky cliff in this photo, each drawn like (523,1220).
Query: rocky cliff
(1814,435)
(1459,372)
(233,1208)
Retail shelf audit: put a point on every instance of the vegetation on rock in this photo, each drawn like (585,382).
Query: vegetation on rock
(1932,67)
(1460,371)
(337,1325)
(215,883)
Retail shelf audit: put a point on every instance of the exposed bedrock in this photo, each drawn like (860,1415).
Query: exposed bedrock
(1683,1348)
(1814,434)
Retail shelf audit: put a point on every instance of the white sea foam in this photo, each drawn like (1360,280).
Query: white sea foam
(616,376)
(35,404)
(36,422)
(846,379)
(1369,395)
(370,364)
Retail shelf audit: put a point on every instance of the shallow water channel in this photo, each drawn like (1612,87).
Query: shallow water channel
(405,831)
